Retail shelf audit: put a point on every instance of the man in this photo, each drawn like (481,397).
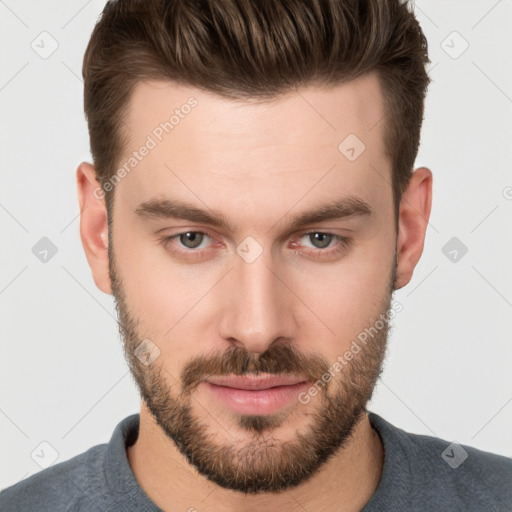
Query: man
(252,208)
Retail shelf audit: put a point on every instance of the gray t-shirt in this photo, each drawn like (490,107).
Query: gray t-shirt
(420,473)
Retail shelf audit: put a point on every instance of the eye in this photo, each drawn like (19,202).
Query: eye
(313,244)
(323,245)
(320,240)
(191,239)
(187,241)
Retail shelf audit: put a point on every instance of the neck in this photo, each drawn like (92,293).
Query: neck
(345,482)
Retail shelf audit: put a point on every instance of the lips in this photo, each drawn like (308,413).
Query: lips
(256,382)
(255,394)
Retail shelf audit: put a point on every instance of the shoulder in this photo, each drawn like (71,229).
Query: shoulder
(96,480)
(437,472)
(59,488)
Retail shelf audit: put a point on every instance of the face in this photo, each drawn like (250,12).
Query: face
(245,242)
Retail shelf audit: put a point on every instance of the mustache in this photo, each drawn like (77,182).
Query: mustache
(279,359)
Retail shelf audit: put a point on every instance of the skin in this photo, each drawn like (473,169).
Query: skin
(259,164)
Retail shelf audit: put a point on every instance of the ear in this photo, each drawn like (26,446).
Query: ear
(93,224)
(414,214)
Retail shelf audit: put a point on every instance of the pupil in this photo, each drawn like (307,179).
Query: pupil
(192,239)
(323,239)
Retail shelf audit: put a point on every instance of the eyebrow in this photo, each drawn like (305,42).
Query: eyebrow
(349,206)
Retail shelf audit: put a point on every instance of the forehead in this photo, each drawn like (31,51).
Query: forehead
(316,112)
(314,137)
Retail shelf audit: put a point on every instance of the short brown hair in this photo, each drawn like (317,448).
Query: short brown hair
(256,49)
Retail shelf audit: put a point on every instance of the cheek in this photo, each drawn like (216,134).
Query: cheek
(347,297)
(154,286)
(150,295)
(167,299)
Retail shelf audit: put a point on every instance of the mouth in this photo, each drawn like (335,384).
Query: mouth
(255,382)
(260,394)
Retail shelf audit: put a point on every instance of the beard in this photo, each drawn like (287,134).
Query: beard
(261,463)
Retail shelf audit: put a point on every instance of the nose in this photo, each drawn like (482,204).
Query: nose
(257,309)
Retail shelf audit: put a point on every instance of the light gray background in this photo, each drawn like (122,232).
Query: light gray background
(63,377)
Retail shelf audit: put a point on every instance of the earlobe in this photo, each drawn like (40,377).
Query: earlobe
(415,208)
(93,225)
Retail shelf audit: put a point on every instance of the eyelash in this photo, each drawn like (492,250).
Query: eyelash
(343,243)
